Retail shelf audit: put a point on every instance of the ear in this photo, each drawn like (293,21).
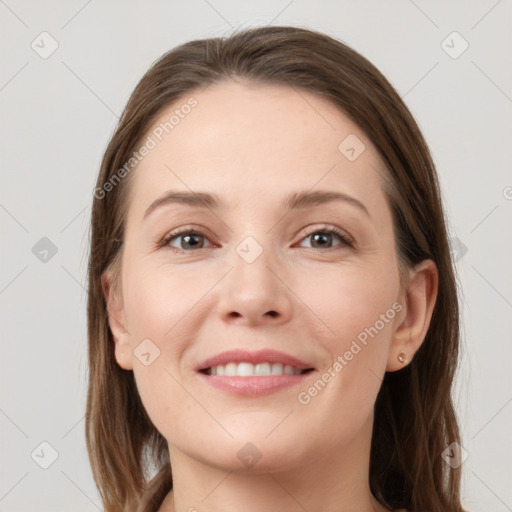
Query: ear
(117,322)
(419,299)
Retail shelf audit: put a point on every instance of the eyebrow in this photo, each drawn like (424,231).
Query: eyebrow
(295,200)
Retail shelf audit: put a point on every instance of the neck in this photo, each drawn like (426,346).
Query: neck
(332,481)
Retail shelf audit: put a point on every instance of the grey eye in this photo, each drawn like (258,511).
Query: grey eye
(322,239)
(188,241)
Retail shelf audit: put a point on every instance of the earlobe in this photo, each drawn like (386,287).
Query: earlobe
(117,323)
(419,301)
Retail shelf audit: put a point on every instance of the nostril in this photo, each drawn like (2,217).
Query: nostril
(272,313)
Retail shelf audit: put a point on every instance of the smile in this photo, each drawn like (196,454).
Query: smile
(245,373)
(245,369)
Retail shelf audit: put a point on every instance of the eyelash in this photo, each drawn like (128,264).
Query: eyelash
(346,240)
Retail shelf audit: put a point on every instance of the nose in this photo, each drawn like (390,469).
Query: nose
(255,293)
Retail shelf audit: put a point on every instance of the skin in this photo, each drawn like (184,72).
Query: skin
(252,145)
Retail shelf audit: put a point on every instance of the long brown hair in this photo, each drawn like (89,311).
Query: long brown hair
(414,414)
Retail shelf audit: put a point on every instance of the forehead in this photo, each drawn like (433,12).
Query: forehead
(247,140)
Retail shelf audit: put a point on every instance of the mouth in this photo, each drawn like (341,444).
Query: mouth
(253,373)
(245,369)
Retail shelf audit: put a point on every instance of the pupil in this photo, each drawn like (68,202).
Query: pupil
(322,238)
(319,238)
(189,240)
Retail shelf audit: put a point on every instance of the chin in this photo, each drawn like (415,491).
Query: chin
(251,451)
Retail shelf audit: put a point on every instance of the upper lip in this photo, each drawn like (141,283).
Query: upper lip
(260,356)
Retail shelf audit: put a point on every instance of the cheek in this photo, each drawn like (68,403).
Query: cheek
(156,300)
(358,309)
(163,306)
(351,300)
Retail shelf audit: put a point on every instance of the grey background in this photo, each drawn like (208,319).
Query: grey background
(57,114)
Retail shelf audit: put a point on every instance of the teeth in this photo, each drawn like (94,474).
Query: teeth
(245,370)
(253,370)
(262,369)
(277,369)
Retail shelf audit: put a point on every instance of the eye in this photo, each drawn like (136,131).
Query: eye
(185,240)
(323,238)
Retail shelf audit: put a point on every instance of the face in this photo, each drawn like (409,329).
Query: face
(290,263)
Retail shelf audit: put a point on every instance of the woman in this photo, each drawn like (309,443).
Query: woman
(272,306)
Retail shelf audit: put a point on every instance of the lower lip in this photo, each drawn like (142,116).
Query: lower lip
(254,386)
